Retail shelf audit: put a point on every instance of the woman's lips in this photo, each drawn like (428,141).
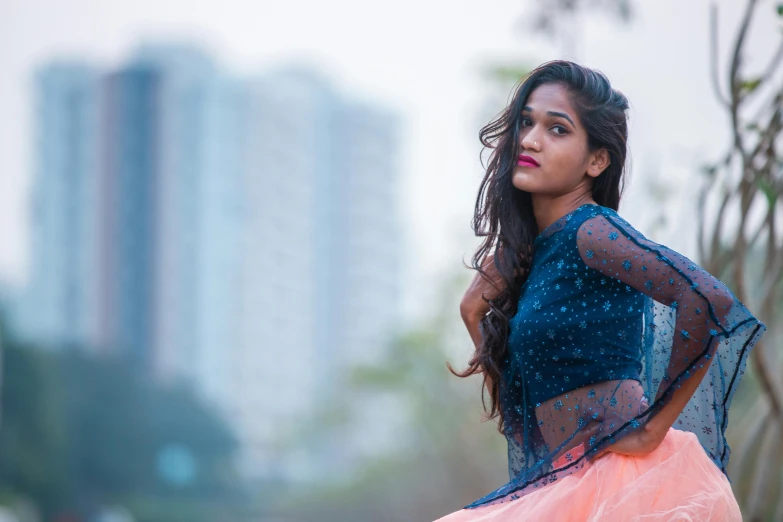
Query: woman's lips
(526,163)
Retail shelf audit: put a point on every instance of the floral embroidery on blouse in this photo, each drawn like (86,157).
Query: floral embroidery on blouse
(608,324)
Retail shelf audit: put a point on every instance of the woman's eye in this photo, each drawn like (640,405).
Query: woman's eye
(561,130)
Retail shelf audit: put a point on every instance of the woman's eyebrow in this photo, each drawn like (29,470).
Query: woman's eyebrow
(550,113)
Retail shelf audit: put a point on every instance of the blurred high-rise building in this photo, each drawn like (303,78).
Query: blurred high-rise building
(129,214)
(198,228)
(240,236)
(61,304)
(322,258)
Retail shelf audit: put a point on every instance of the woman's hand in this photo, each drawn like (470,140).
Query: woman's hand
(640,442)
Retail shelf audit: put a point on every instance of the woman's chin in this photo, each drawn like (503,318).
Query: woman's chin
(521,181)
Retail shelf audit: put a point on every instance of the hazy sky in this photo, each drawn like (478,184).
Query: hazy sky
(422,57)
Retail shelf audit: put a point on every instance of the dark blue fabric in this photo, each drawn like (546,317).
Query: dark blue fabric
(608,324)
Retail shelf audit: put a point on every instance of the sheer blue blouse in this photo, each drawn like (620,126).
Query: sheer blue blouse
(608,324)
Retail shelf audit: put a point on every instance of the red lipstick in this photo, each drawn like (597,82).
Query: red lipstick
(527,161)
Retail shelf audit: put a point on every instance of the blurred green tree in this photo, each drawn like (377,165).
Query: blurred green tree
(447,457)
(81,432)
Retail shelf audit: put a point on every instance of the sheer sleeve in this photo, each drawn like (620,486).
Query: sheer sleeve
(608,326)
(691,319)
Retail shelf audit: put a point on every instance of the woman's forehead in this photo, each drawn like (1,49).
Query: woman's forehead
(549,96)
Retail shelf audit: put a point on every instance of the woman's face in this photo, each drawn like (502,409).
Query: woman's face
(550,132)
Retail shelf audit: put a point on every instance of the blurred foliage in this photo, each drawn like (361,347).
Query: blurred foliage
(546,17)
(557,21)
(81,432)
(739,241)
(450,457)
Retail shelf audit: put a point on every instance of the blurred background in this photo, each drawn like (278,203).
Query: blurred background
(233,236)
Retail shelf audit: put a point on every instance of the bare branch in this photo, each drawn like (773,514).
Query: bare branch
(735,84)
(767,107)
(763,479)
(700,212)
(736,56)
(757,234)
(771,282)
(768,383)
(773,64)
(773,127)
(714,55)
(757,421)
(715,245)
(759,168)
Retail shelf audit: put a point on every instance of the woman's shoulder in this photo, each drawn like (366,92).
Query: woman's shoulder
(605,220)
(601,210)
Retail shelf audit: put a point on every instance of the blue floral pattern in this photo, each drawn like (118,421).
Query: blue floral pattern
(608,324)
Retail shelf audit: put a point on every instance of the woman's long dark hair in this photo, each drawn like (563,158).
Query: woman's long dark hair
(504,214)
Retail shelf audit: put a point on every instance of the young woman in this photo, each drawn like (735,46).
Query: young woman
(610,360)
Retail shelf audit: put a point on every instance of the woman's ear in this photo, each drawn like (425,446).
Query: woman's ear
(598,162)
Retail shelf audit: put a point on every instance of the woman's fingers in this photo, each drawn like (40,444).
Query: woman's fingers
(634,444)
(599,455)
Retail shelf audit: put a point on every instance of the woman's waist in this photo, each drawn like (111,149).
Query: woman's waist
(545,382)
(587,413)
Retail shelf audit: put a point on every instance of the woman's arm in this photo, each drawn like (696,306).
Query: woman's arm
(660,424)
(475,306)
(610,245)
(472,321)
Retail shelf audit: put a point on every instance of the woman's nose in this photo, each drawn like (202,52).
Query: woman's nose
(531,141)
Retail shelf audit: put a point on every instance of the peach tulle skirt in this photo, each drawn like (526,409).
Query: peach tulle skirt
(676,481)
